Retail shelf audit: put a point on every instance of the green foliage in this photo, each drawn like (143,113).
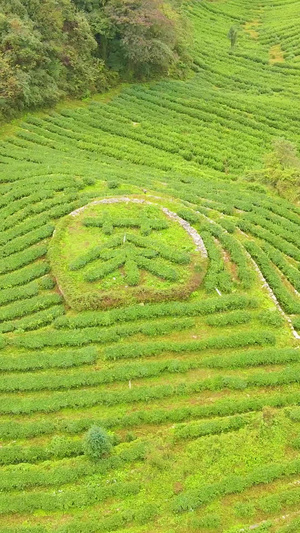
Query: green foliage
(21,259)
(52,381)
(289,302)
(94,335)
(232,35)
(113,184)
(24,275)
(217,276)
(234,485)
(194,431)
(271,318)
(211,412)
(210,522)
(229,319)
(64,359)
(18,293)
(67,471)
(236,253)
(29,502)
(135,350)
(46,54)
(281,169)
(30,305)
(130,243)
(33,321)
(148,311)
(222,407)
(97,443)
(52,50)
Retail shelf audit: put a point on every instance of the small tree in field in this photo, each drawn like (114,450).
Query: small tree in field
(97,443)
(232,35)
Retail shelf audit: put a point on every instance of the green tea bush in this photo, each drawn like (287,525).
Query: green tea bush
(234,485)
(136,312)
(164,250)
(22,259)
(222,408)
(113,184)
(285,298)
(154,348)
(296,323)
(98,335)
(155,371)
(66,470)
(24,275)
(274,240)
(277,228)
(236,252)
(271,318)
(291,273)
(68,499)
(46,283)
(22,454)
(20,243)
(107,268)
(254,358)
(23,228)
(217,275)
(230,319)
(194,431)
(33,321)
(18,293)
(44,360)
(132,273)
(60,447)
(52,381)
(93,254)
(30,305)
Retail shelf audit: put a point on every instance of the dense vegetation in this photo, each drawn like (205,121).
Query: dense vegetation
(155,414)
(52,49)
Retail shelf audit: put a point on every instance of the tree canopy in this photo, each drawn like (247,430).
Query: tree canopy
(55,48)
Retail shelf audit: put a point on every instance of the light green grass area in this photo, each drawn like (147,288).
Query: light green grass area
(199,389)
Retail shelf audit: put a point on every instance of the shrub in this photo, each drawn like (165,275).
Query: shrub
(21,259)
(234,484)
(228,319)
(60,447)
(157,310)
(210,521)
(112,184)
(97,443)
(271,318)
(287,300)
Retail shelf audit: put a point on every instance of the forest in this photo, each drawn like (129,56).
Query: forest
(57,48)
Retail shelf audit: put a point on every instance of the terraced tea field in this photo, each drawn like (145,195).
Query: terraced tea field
(148,289)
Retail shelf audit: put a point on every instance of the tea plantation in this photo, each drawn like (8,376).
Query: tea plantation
(148,289)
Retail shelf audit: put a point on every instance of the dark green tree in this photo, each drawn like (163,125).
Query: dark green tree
(53,48)
(47,51)
(138,38)
(97,443)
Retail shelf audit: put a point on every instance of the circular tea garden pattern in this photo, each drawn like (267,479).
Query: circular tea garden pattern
(125,249)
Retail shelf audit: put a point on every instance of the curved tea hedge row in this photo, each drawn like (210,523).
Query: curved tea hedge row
(199,396)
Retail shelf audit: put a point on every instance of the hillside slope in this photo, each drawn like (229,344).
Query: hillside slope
(146,288)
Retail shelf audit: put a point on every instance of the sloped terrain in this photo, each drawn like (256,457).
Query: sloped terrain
(200,391)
